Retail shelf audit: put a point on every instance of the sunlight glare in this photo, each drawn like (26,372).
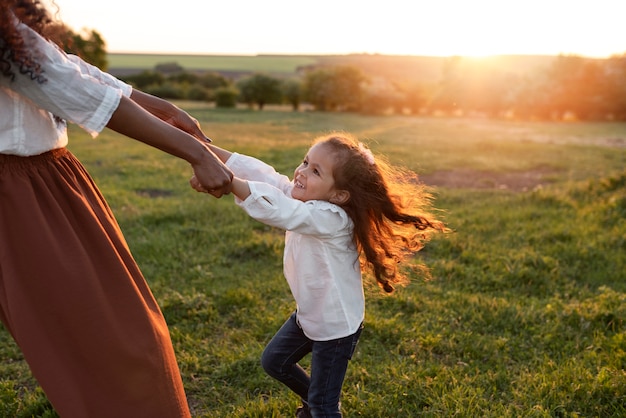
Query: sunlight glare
(397,27)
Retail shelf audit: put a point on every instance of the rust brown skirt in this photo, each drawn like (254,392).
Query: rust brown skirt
(74,300)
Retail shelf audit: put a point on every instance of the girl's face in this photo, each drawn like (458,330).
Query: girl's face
(313,179)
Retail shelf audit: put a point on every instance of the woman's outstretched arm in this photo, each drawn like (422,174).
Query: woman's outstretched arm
(132,120)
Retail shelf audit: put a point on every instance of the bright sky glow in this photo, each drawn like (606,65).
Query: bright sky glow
(396,27)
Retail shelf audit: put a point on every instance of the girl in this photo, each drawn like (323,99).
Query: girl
(71,294)
(341,203)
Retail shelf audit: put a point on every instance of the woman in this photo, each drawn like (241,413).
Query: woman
(71,294)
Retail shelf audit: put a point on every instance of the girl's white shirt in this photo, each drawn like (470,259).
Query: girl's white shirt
(33,115)
(320,261)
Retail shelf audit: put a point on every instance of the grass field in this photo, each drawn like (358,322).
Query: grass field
(267,64)
(524,316)
(391,67)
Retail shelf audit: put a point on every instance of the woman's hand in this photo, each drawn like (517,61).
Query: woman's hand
(169,113)
(184,121)
(211,176)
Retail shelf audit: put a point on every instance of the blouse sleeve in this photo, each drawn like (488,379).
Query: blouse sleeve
(250,168)
(100,75)
(270,201)
(72,89)
(269,205)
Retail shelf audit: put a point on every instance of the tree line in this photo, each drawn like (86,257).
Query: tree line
(571,88)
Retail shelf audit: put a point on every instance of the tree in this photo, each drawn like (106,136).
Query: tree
(614,88)
(92,48)
(212,80)
(318,89)
(445,96)
(335,88)
(531,98)
(412,96)
(169,68)
(260,89)
(198,93)
(184,77)
(167,91)
(292,92)
(564,76)
(348,87)
(87,44)
(380,96)
(145,79)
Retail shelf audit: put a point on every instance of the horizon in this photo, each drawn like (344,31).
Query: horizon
(280,54)
(431,29)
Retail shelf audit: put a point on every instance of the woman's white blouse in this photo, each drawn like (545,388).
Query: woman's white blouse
(33,115)
(320,262)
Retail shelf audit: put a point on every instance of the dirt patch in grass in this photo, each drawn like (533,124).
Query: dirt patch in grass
(475,179)
(154,193)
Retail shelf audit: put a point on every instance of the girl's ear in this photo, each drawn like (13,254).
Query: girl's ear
(339,197)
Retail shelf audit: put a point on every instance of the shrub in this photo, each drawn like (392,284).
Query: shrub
(226,97)
(145,79)
(166,91)
(198,93)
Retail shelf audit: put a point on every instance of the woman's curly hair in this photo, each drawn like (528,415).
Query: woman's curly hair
(388,205)
(15,55)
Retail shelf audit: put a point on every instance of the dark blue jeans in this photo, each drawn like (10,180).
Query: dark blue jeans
(329,361)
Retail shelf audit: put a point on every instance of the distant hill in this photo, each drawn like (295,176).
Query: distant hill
(283,65)
(392,67)
(429,69)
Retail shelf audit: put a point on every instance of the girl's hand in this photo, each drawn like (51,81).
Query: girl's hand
(238,187)
(211,176)
(195,184)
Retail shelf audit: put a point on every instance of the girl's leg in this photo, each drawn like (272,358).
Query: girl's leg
(329,364)
(281,355)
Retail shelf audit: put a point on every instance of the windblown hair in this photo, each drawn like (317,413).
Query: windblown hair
(15,55)
(388,205)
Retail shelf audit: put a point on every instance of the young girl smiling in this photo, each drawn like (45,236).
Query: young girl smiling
(342,207)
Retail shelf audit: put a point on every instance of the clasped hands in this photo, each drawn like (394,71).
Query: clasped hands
(210,174)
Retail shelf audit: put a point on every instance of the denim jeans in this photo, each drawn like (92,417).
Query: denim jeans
(329,361)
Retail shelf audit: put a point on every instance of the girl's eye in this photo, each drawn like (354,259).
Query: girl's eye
(305,163)
(317,173)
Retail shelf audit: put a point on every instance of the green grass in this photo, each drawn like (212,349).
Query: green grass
(524,317)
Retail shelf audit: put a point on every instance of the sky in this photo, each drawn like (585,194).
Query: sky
(395,27)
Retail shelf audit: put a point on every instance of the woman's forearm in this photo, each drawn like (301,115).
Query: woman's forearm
(132,120)
(169,113)
(158,107)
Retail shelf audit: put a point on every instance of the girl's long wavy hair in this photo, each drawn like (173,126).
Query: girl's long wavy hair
(15,55)
(388,205)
